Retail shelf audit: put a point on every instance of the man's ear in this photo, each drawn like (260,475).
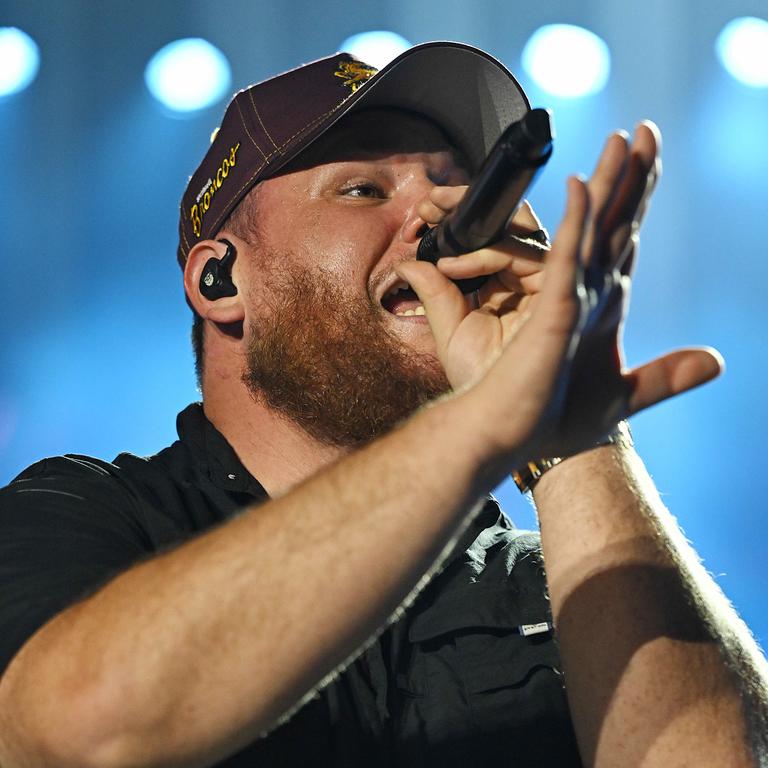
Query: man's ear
(225,310)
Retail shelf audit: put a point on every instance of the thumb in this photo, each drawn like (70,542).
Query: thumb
(672,374)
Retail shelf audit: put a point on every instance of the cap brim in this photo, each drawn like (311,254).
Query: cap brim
(471,95)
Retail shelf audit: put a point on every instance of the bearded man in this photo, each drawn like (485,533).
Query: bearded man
(314,572)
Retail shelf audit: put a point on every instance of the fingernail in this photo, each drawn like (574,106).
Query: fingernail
(653,128)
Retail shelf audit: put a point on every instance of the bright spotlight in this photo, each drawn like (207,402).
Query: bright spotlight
(188,74)
(742,47)
(376,48)
(19,60)
(567,61)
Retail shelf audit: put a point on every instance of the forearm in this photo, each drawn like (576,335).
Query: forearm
(660,671)
(190,655)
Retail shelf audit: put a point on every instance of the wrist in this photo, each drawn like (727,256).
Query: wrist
(527,475)
(489,450)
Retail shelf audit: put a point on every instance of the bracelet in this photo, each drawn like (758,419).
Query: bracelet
(527,476)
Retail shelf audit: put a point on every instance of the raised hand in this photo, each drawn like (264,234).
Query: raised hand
(544,352)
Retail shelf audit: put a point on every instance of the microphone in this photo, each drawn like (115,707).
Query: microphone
(494,195)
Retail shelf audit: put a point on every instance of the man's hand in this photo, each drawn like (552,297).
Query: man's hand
(545,353)
(514,267)
(660,671)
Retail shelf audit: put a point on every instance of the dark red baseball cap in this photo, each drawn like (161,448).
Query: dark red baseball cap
(471,95)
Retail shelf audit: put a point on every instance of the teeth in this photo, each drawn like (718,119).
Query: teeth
(419,310)
(401,285)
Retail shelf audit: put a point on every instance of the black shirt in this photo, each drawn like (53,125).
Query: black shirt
(462,678)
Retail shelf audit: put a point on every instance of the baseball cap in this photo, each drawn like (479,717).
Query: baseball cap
(471,95)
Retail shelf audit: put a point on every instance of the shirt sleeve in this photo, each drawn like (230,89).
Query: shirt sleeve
(67,525)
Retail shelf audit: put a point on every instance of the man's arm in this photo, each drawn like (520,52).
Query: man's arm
(189,656)
(660,671)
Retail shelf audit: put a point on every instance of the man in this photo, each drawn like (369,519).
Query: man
(375,610)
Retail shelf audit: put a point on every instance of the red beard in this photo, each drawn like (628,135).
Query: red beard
(328,363)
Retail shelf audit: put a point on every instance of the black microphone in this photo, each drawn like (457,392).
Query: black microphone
(494,195)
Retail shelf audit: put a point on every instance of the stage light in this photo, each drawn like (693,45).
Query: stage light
(742,47)
(376,48)
(567,61)
(188,75)
(19,60)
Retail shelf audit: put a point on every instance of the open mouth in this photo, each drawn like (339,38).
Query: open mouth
(401,300)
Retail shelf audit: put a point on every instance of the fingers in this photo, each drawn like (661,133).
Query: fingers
(672,374)
(647,145)
(603,183)
(620,190)
(443,302)
(557,308)
(484,262)
(440,201)
(518,259)
(519,255)
(540,336)
(643,171)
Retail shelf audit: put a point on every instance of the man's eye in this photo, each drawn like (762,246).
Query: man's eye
(363,189)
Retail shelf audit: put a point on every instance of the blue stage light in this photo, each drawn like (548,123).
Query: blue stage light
(376,48)
(188,75)
(567,61)
(19,60)
(742,47)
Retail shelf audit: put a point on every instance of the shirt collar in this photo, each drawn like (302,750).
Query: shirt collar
(224,468)
(212,451)
(489,521)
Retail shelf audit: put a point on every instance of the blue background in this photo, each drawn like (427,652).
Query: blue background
(95,356)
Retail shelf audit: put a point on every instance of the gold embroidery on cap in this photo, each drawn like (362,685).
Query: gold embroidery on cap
(204,197)
(354,73)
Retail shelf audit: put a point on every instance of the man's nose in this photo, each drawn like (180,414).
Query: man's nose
(414,227)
